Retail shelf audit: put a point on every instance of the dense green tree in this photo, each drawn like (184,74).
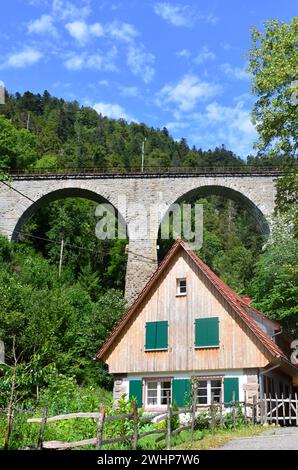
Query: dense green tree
(50,316)
(273,63)
(274,287)
(17,147)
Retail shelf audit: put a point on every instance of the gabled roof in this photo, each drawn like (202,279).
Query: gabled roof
(235,301)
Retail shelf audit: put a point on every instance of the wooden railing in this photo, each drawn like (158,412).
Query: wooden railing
(102,419)
(217,417)
(147,171)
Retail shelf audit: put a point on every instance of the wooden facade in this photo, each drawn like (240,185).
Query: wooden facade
(239,347)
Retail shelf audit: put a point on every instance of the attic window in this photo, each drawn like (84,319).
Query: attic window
(181,286)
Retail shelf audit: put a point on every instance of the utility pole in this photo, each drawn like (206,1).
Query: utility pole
(143,154)
(28,121)
(61,255)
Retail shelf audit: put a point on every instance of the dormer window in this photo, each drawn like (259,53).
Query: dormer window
(181,286)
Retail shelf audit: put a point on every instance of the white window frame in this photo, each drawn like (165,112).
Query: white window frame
(159,390)
(178,287)
(208,380)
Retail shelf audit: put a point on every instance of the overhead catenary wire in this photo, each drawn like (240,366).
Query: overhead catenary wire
(17,191)
(58,242)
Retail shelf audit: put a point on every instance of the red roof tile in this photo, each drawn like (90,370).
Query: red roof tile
(236,302)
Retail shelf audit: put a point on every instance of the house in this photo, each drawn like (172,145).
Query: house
(187,322)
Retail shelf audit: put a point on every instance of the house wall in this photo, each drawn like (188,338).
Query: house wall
(248,381)
(239,348)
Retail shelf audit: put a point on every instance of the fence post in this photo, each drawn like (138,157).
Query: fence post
(169,416)
(245,409)
(135,425)
(42,427)
(221,413)
(290,409)
(100,427)
(194,406)
(296,408)
(265,409)
(234,410)
(283,409)
(212,410)
(254,407)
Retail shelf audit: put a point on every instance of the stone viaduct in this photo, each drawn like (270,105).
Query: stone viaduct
(25,193)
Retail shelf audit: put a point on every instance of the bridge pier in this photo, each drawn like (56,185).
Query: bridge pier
(141,263)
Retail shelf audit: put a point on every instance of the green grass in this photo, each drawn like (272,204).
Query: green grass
(209,441)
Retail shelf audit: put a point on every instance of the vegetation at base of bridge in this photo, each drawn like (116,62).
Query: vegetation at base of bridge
(50,324)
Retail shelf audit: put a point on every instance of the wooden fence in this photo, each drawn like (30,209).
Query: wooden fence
(218,414)
(272,409)
(265,410)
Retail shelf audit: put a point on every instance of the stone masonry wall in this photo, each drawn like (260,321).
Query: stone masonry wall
(131,196)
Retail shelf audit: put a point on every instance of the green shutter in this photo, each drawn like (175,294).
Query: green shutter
(136,391)
(231,384)
(161,335)
(181,392)
(156,335)
(207,332)
(150,335)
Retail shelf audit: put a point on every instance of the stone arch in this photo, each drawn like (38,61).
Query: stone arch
(62,194)
(229,193)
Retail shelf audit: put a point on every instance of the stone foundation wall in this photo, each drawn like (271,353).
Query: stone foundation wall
(251,388)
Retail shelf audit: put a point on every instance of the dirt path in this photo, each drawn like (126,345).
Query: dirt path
(272,439)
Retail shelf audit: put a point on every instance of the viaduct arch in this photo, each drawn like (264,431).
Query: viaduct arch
(130,195)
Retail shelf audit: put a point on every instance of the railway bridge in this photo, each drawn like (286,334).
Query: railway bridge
(253,188)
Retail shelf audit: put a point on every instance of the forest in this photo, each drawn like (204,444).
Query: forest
(54,323)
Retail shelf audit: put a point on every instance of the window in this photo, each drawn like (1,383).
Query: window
(181,286)
(207,332)
(156,392)
(156,335)
(208,388)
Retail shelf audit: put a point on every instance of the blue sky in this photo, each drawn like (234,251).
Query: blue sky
(174,64)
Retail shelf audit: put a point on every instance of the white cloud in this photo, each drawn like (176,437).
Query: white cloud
(176,126)
(204,55)
(129,91)
(177,15)
(182,15)
(209,18)
(97,30)
(66,10)
(184,53)
(43,25)
(230,125)
(75,62)
(111,110)
(93,61)
(235,72)
(237,117)
(28,56)
(187,92)
(122,31)
(82,32)
(140,63)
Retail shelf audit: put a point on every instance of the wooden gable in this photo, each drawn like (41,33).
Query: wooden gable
(238,347)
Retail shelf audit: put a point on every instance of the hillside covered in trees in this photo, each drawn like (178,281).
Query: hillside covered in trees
(54,133)
(54,324)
